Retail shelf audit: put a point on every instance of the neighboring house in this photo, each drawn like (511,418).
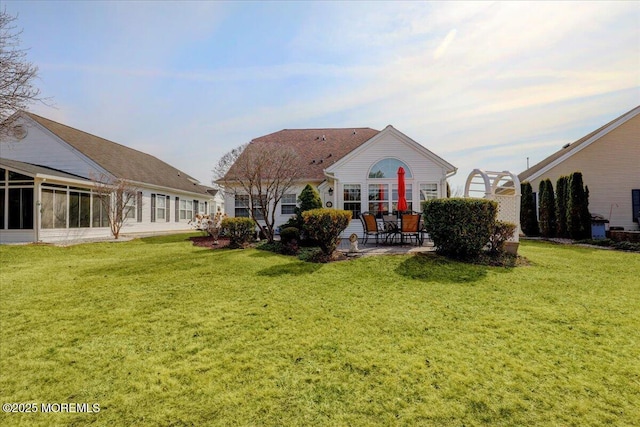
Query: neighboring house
(48,171)
(355,170)
(609,159)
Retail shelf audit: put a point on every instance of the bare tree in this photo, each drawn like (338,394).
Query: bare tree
(17,89)
(224,164)
(264,173)
(117,201)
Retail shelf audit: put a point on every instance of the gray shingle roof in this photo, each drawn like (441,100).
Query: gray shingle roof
(122,162)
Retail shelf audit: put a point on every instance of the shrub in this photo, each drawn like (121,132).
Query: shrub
(460,228)
(528,219)
(547,209)
(308,199)
(502,231)
(325,226)
(562,188)
(290,236)
(578,217)
(239,230)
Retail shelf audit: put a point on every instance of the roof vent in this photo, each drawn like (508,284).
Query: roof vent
(566,145)
(329,155)
(19,131)
(313,161)
(323,138)
(320,161)
(354,132)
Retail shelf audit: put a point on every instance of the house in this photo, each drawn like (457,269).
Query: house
(609,159)
(353,169)
(48,174)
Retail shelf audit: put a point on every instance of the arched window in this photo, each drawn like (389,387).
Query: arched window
(388,168)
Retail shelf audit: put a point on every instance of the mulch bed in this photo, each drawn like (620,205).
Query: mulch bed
(207,242)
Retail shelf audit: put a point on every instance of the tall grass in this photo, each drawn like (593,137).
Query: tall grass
(159,332)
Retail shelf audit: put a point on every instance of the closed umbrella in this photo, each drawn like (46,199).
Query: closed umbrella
(402,200)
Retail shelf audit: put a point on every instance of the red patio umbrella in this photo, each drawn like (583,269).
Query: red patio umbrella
(402,200)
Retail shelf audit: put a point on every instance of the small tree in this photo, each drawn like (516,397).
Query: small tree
(117,198)
(528,219)
(547,209)
(578,217)
(562,186)
(264,172)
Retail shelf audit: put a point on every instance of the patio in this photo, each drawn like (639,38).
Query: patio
(370,248)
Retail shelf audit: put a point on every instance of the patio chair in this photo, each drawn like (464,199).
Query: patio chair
(370,227)
(410,227)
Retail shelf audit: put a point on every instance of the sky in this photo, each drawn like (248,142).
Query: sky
(488,85)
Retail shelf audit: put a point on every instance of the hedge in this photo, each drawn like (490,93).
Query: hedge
(325,225)
(460,228)
(239,230)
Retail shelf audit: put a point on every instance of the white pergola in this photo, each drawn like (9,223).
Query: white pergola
(504,188)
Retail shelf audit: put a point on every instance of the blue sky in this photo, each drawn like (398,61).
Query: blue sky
(482,84)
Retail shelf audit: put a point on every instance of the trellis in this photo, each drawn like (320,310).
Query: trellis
(504,188)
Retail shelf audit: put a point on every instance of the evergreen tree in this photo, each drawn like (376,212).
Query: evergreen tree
(578,209)
(308,199)
(528,219)
(547,209)
(561,206)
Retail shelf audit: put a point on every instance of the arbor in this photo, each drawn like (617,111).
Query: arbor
(117,199)
(17,75)
(261,175)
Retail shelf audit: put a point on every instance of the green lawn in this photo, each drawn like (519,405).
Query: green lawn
(159,332)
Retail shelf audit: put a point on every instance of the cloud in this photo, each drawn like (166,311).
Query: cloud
(442,48)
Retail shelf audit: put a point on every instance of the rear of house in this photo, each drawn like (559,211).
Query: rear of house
(355,169)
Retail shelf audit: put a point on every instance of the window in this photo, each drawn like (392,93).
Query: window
(378,199)
(242,206)
(79,209)
(186,209)
(352,199)
(20,208)
(388,168)
(288,204)
(100,216)
(408,195)
(257,207)
(130,206)
(161,207)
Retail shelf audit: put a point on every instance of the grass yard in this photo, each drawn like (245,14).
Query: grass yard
(161,333)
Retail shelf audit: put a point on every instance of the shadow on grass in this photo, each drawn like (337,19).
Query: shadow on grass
(434,268)
(293,268)
(169,238)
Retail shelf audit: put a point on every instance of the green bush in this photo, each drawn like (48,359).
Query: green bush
(502,232)
(460,228)
(325,226)
(528,218)
(547,209)
(289,234)
(578,217)
(562,196)
(239,230)
(308,199)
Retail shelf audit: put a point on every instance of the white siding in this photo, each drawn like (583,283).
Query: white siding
(40,147)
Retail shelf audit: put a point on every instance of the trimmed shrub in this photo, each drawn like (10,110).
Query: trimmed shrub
(562,195)
(502,232)
(460,228)
(528,218)
(547,209)
(290,236)
(239,230)
(308,199)
(578,217)
(325,226)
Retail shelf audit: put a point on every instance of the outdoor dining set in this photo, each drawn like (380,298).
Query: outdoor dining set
(405,227)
